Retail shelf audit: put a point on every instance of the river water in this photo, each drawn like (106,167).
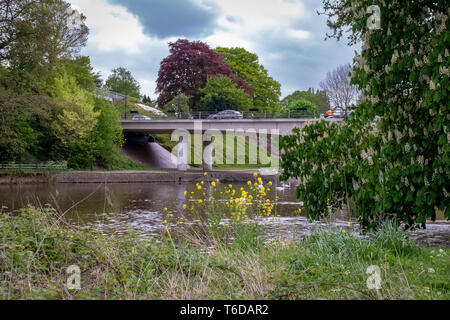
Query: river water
(122,207)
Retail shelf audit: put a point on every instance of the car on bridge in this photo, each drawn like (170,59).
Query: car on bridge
(141,118)
(227,114)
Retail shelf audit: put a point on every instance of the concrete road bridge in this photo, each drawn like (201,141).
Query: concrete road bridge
(208,129)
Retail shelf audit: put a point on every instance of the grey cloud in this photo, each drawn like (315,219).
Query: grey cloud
(304,63)
(171,18)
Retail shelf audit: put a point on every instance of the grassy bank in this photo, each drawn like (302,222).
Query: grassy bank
(37,246)
(241,146)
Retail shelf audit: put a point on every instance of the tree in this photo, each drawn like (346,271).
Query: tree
(15,116)
(303,103)
(187,69)
(221,93)
(80,68)
(13,24)
(391,158)
(122,81)
(318,98)
(40,32)
(179,104)
(107,134)
(245,65)
(146,99)
(75,119)
(341,93)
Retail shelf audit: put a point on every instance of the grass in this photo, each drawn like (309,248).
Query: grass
(37,246)
(130,106)
(240,146)
(122,162)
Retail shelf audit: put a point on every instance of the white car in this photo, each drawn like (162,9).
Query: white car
(141,118)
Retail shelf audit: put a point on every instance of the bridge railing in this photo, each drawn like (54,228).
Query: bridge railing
(51,165)
(213,114)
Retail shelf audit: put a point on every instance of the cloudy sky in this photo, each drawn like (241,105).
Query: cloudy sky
(287,35)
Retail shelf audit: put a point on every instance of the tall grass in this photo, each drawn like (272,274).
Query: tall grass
(37,246)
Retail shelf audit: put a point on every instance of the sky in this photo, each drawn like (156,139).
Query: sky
(287,35)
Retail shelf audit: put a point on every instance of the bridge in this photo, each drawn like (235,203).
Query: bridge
(181,129)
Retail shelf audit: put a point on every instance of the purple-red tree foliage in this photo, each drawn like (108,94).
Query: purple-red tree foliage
(187,69)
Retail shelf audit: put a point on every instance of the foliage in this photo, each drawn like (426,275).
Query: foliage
(76,116)
(245,65)
(107,134)
(80,68)
(221,93)
(39,245)
(38,33)
(187,69)
(319,98)
(122,81)
(392,157)
(146,99)
(179,104)
(234,221)
(302,103)
(17,135)
(47,109)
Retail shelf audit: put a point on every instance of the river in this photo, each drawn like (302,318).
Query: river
(121,207)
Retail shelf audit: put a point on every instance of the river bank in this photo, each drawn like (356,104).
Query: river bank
(328,264)
(157,176)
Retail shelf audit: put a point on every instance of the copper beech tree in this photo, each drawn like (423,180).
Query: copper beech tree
(187,69)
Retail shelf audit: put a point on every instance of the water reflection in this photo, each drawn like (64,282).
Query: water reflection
(121,207)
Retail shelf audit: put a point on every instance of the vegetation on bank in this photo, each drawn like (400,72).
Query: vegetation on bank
(49,111)
(38,246)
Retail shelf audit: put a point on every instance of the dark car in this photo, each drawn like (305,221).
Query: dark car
(227,114)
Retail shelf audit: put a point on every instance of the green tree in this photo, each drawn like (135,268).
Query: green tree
(245,65)
(179,104)
(80,68)
(122,81)
(38,33)
(74,121)
(392,157)
(107,134)
(221,93)
(318,98)
(302,103)
(17,134)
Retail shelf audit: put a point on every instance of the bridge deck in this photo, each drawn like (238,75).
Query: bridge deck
(284,126)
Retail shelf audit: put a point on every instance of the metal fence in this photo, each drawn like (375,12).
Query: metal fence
(37,165)
(212,114)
